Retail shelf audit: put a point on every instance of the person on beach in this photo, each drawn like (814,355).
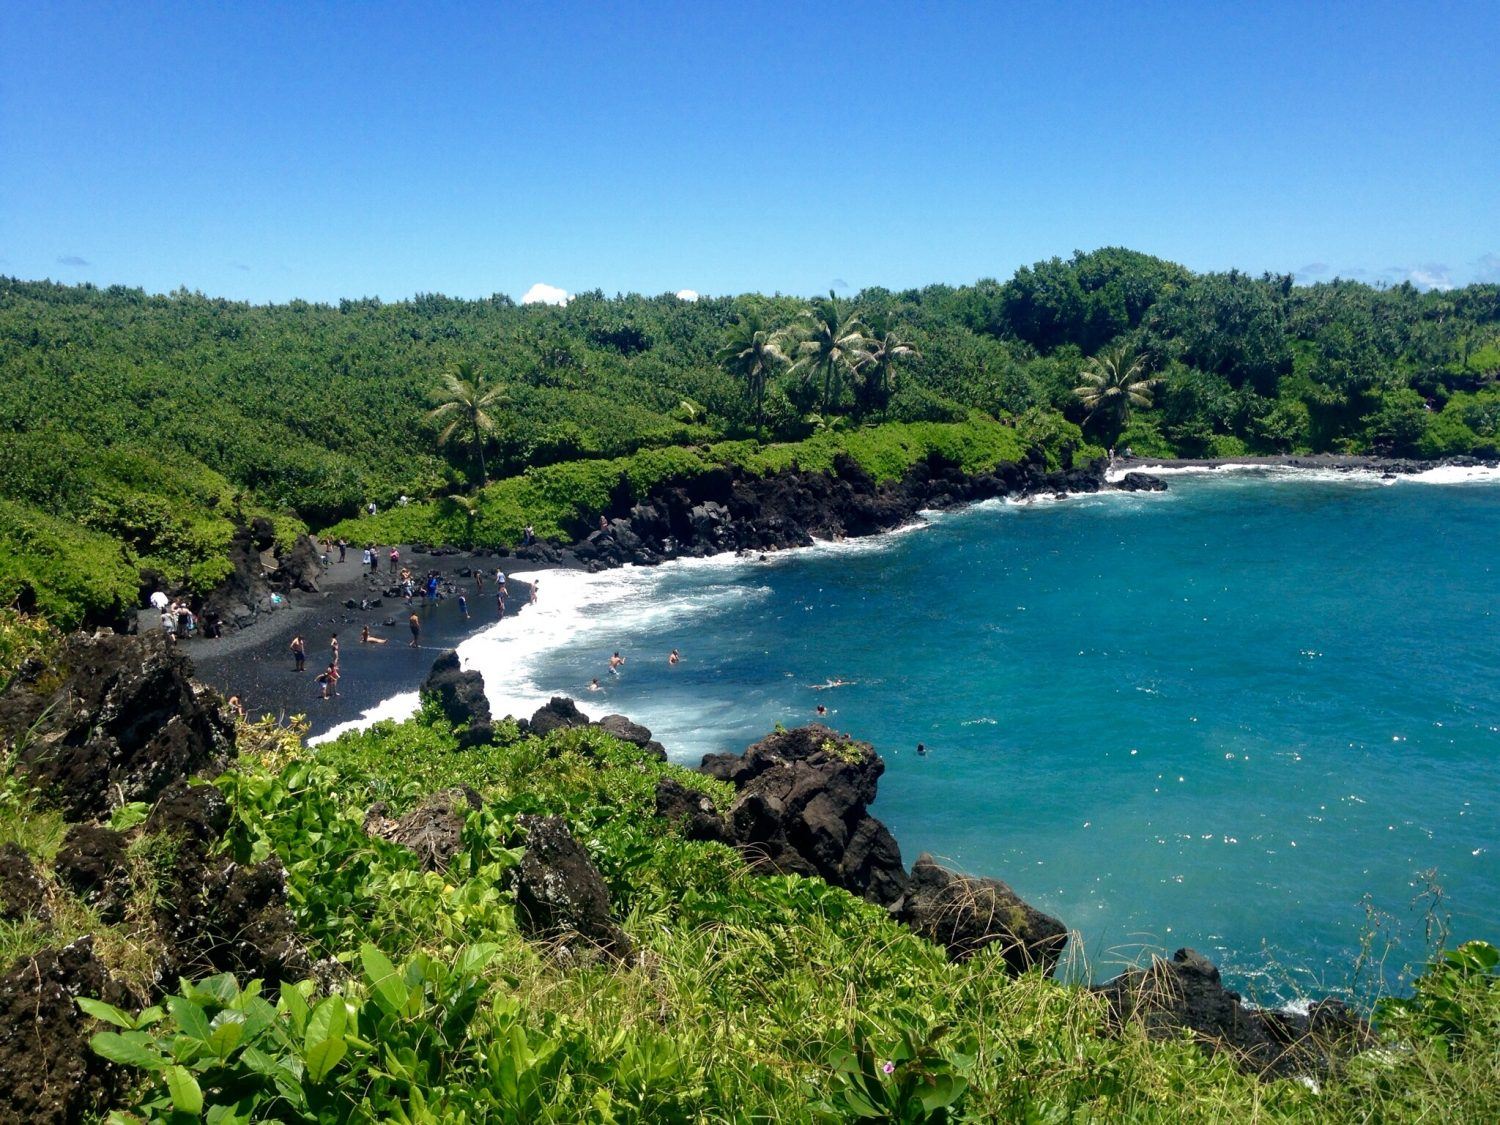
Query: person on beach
(169,624)
(374,560)
(364,558)
(674,658)
(499,578)
(184,620)
(236,708)
(528,537)
(500,603)
(329,678)
(366,639)
(463,606)
(535,582)
(299,652)
(478,580)
(395,557)
(415,623)
(616,662)
(343,546)
(333,649)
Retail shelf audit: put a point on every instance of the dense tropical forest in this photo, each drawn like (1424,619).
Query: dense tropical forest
(141,428)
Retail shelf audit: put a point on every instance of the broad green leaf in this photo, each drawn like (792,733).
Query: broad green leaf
(186,1096)
(326,1022)
(126,817)
(133,1048)
(228,1031)
(190,1018)
(294,1003)
(390,990)
(106,1012)
(324,1056)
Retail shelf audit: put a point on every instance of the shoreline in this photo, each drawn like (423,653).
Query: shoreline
(256,665)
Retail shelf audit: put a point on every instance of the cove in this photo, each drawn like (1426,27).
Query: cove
(1255,715)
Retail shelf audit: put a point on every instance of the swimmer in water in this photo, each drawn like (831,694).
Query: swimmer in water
(822,711)
(674,657)
(594,684)
(837,681)
(921,750)
(615,663)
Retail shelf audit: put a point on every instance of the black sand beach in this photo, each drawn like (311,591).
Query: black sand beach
(256,663)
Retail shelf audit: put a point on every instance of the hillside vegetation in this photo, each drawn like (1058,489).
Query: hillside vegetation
(141,428)
(746,998)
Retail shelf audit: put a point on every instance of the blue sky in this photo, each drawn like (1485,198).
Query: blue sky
(320,151)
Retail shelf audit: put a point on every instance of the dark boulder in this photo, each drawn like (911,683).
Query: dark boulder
(22,892)
(220,916)
(691,811)
(1140,482)
(965,915)
(560,713)
(196,816)
(112,719)
(560,895)
(626,731)
(1186,993)
(461,696)
(434,829)
(802,801)
(51,1075)
(301,565)
(93,864)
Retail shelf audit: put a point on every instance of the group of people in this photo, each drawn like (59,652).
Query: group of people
(178,621)
(616,661)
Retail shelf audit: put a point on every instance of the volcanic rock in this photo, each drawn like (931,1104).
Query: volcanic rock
(22,892)
(802,802)
(691,811)
(560,895)
(1140,482)
(92,863)
(461,696)
(51,1075)
(560,713)
(964,915)
(113,719)
(1186,992)
(627,731)
(434,829)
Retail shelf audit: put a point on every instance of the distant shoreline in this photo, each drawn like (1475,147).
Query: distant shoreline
(1337,462)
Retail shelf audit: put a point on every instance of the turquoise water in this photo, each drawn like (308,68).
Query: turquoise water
(1231,717)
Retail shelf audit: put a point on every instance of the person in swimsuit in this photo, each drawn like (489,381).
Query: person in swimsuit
(415,623)
(673,658)
(299,652)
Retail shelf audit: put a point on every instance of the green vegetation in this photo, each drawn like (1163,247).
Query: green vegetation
(140,428)
(750,998)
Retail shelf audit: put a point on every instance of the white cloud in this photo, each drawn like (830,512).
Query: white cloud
(1430,277)
(687,294)
(543,294)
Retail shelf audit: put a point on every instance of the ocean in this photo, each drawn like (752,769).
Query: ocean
(1257,715)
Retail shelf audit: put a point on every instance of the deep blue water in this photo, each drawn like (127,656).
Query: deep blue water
(1230,717)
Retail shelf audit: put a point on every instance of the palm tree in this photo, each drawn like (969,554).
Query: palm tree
(753,353)
(1111,383)
(832,342)
(883,347)
(465,399)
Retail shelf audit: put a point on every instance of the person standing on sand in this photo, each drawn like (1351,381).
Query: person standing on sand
(395,560)
(374,559)
(479,580)
(299,652)
(333,648)
(169,624)
(343,546)
(535,582)
(463,606)
(500,602)
(415,623)
(329,678)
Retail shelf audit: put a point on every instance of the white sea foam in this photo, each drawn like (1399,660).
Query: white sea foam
(1440,474)
(396,707)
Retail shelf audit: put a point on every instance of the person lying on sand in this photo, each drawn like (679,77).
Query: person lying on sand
(366,639)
